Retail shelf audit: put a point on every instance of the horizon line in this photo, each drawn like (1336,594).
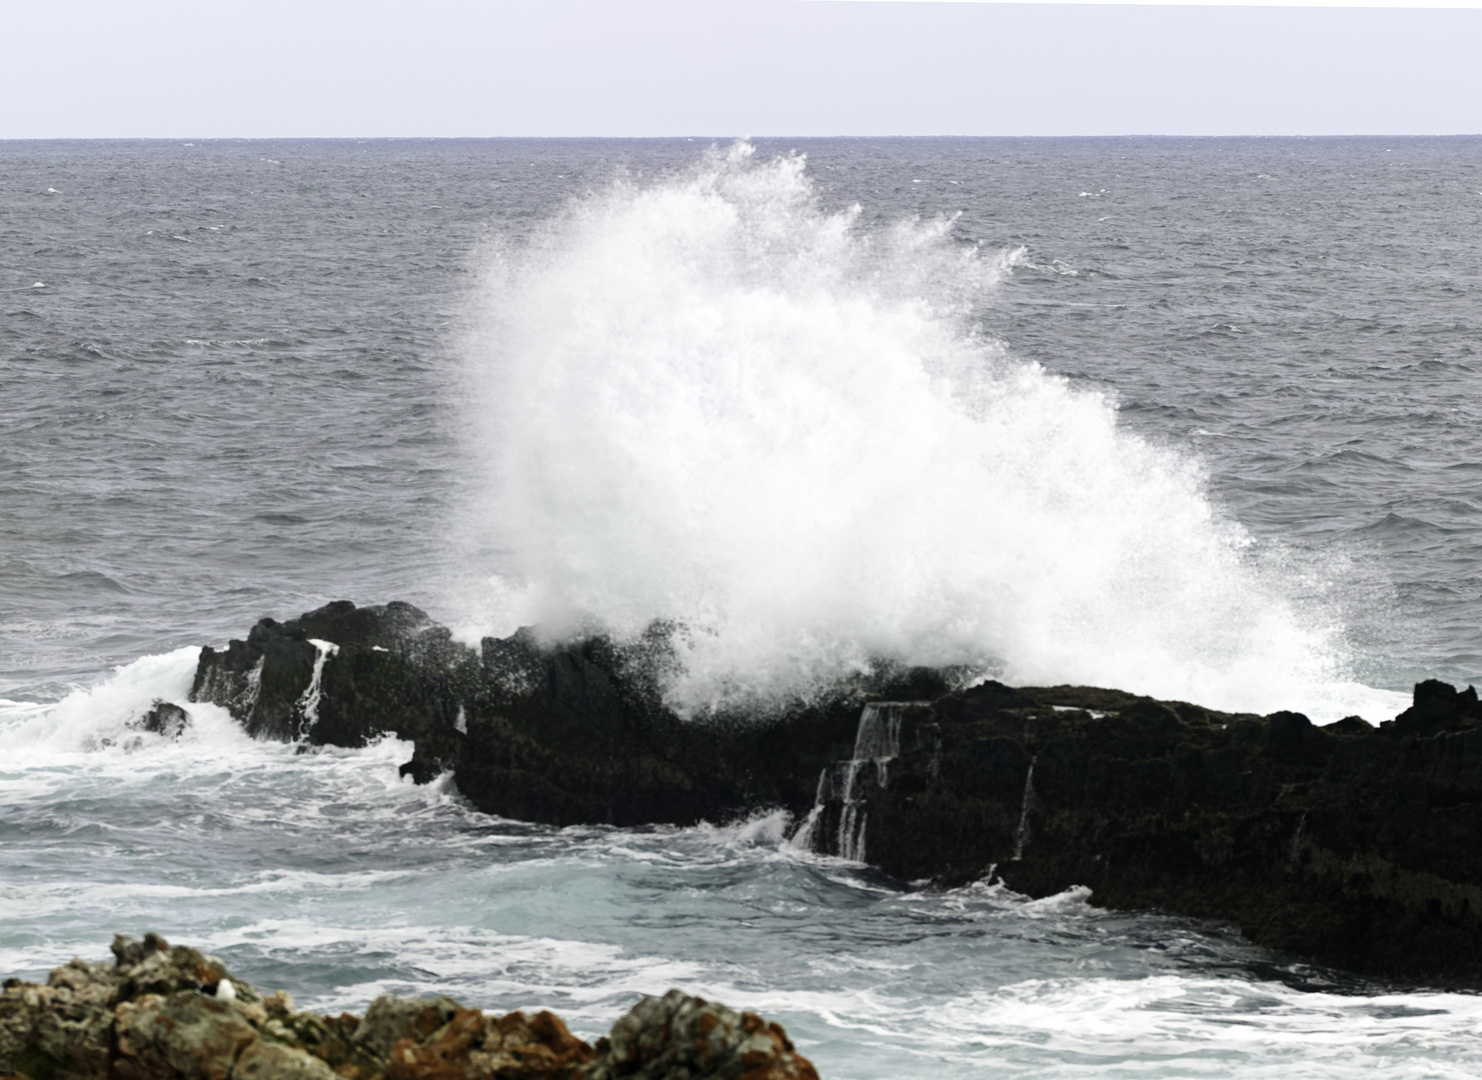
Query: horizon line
(187,139)
(1420,5)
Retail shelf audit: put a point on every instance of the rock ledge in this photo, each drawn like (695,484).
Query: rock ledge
(1356,845)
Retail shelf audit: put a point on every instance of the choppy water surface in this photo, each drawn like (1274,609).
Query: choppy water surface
(240,379)
(327,874)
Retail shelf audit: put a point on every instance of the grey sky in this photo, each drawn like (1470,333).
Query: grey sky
(166,68)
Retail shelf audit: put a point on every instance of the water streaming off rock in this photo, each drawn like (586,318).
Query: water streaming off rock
(842,787)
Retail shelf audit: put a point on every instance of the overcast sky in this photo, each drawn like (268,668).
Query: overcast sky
(170,68)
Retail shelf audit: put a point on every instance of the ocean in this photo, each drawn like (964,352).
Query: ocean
(1188,417)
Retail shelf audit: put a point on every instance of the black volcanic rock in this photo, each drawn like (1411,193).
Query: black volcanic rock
(165,718)
(393,670)
(563,735)
(1438,707)
(1355,845)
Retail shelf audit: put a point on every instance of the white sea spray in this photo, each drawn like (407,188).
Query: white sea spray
(704,399)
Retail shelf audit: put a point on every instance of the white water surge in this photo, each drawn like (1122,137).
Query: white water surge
(707,400)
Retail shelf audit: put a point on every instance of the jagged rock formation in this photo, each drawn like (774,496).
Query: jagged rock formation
(171,1013)
(165,718)
(1355,845)
(682,1036)
(568,735)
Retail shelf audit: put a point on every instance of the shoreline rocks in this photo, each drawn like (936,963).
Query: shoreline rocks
(172,1013)
(1354,845)
(575,734)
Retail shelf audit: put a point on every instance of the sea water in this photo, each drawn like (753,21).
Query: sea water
(1187,417)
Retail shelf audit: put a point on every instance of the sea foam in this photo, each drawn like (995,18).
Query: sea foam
(709,400)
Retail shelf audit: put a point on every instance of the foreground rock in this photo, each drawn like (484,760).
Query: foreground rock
(1356,845)
(171,1013)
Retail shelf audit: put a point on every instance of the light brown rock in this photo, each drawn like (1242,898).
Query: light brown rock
(186,1035)
(472,1046)
(683,1036)
(150,1016)
(391,1019)
(263,1060)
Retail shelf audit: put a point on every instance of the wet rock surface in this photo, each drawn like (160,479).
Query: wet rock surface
(564,735)
(165,718)
(172,1013)
(1355,845)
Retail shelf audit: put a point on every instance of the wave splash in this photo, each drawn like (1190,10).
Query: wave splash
(709,401)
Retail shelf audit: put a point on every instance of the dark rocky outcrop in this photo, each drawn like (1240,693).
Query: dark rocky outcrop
(563,735)
(171,1013)
(165,718)
(1357,845)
